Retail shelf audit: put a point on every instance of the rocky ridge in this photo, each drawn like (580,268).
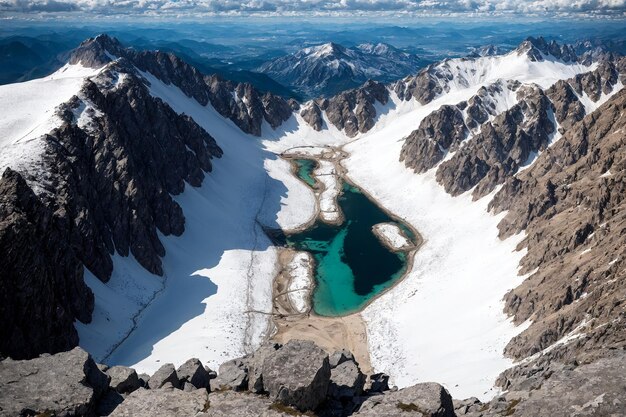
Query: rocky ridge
(483,148)
(435,80)
(239,102)
(328,69)
(297,378)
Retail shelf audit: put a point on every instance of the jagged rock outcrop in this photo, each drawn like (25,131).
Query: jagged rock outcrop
(166,374)
(571,205)
(445,129)
(239,102)
(423,87)
(312,114)
(164,402)
(440,132)
(501,147)
(42,290)
(123,379)
(353,111)
(194,373)
(346,380)
(426,399)
(538,48)
(65,384)
(296,376)
(553,388)
(497,145)
(111,168)
(231,375)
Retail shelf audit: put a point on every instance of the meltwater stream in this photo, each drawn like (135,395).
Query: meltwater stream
(352,266)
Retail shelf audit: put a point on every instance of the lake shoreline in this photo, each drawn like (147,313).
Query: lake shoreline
(333,333)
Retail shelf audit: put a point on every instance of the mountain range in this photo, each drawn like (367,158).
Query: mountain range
(139,195)
(325,70)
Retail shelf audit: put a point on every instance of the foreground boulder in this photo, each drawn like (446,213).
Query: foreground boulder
(346,381)
(238,404)
(194,373)
(297,374)
(163,402)
(123,379)
(232,375)
(427,400)
(165,374)
(65,384)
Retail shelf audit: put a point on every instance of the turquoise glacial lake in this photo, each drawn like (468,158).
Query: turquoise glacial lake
(352,266)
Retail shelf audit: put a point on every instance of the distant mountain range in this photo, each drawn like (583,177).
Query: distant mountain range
(330,68)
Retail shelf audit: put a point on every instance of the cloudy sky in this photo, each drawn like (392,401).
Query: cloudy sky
(182,8)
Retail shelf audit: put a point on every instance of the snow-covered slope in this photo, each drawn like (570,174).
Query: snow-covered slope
(216,293)
(28,112)
(330,68)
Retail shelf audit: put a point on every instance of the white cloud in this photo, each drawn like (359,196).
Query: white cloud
(316,7)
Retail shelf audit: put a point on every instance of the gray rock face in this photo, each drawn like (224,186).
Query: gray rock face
(427,399)
(547,388)
(246,107)
(42,290)
(569,201)
(340,357)
(440,132)
(313,116)
(254,365)
(346,381)
(297,374)
(231,375)
(123,379)
(65,384)
(163,402)
(353,111)
(501,147)
(498,148)
(165,374)
(467,406)
(538,49)
(194,373)
(108,188)
(424,87)
(230,404)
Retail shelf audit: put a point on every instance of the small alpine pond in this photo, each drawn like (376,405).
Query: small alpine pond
(352,266)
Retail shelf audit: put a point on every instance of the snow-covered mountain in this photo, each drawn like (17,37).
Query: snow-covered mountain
(328,69)
(137,193)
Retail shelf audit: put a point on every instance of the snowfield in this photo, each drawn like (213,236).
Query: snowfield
(444,322)
(28,112)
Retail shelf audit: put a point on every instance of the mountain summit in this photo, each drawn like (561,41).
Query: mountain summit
(327,69)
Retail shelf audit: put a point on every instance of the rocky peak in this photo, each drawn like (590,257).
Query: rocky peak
(538,49)
(247,113)
(352,111)
(325,50)
(487,50)
(96,52)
